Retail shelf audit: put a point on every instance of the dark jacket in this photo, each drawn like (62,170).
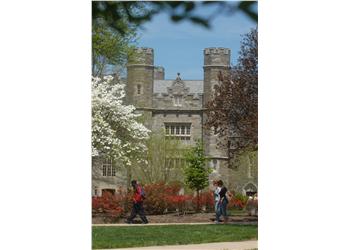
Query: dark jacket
(222,193)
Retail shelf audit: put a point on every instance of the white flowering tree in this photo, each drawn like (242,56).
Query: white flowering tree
(116,133)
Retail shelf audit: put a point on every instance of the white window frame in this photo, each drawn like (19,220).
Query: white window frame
(108,170)
(179,131)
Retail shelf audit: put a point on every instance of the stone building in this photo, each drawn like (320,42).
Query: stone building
(176,107)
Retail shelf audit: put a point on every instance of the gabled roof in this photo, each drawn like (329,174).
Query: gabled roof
(195,86)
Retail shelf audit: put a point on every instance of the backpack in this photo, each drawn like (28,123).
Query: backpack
(143,193)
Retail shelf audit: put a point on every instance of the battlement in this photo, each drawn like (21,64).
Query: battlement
(217,56)
(144,50)
(141,56)
(213,50)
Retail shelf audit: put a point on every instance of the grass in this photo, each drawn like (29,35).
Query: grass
(140,236)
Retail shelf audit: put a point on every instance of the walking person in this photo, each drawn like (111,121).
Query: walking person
(222,204)
(137,207)
(216,195)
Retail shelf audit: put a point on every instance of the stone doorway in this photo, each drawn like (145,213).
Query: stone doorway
(250,189)
(108,191)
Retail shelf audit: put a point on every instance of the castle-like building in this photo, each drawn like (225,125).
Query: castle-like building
(177,107)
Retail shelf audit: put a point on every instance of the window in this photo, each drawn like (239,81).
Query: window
(174,163)
(177,100)
(107,168)
(96,191)
(215,163)
(139,89)
(179,131)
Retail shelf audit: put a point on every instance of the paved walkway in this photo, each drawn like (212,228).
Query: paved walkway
(150,224)
(240,245)
(169,224)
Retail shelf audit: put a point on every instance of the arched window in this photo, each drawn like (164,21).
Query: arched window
(250,189)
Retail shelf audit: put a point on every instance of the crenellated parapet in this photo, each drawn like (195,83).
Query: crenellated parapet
(142,57)
(217,57)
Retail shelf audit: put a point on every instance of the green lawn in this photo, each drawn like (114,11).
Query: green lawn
(138,236)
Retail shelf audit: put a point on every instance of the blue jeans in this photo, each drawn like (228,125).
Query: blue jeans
(216,206)
(221,209)
(137,209)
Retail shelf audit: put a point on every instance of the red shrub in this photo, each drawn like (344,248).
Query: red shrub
(155,202)
(235,203)
(238,201)
(161,197)
(206,200)
(108,204)
(178,202)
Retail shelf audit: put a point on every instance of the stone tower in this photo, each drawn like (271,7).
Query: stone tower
(159,73)
(216,60)
(140,76)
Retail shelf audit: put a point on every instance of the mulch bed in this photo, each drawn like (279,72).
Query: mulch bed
(175,218)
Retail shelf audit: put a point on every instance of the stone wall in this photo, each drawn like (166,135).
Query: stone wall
(165,101)
(216,60)
(100,182)
(161,117)
(159,73)
(140,77)
(244,175)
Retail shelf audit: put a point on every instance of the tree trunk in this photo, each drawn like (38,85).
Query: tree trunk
(128,181)
(197,200)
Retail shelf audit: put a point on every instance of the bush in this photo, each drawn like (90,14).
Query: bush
(161,197)
(206,200)
(157,194)
(108,205)
(239,201)
(178,202)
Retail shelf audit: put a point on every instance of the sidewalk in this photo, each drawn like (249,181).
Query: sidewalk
(151,224)
(169,224)
(239,245)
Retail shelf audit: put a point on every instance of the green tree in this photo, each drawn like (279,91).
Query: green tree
(165,160)
(110,50)
(196,172)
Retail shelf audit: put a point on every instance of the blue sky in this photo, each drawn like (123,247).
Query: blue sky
(178,47)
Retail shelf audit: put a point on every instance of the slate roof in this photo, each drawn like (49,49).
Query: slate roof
(160,86)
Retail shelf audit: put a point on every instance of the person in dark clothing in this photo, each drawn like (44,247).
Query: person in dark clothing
(222,205)
(137,207)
